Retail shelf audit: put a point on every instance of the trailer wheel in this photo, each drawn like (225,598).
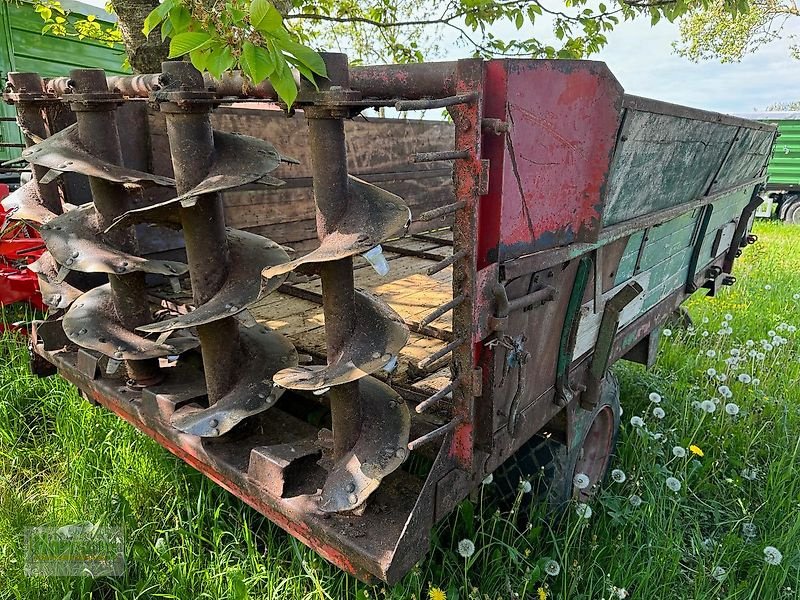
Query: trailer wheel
(791,210)
(551,466)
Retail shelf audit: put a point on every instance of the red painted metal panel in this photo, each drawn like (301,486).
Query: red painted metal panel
(19,245)
(548,175)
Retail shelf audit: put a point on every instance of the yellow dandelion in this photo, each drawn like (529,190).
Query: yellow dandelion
(696,450)
(436,593)
(542,593)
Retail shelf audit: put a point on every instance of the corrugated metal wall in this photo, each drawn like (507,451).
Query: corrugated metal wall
(784,166)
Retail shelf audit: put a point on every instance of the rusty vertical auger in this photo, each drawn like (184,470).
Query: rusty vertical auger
(370,421)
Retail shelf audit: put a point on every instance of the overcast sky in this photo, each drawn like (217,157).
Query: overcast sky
(642,59)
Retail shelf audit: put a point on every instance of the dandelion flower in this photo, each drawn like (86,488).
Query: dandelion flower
(705,319)
(749,343)
(711,353)
(760,356)
(466,548)
(655,397)
(768,287)
(678,451)
(704,334)
(552,567)
(744,378)
(489,479)
(541,593)
(735,352)
(728,317)
(722,376)
(725,391)
(708,406)
(525,487)
(637,422)
(732,409)
(581,481)
(719,573)
(791,328)
(618,475)
(436,593)
(696,450)
(583,510)
(636,501)
(666,332)
(772,556)
(673,484)
(749,530)
(755,381)
(796,296)
(658,412)
(711,372)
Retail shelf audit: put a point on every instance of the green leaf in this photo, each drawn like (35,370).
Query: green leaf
(303,70)
(305,55)
(257,62)
(220,60)
(156,16)
(185,42)
(199,59)
(180,17)
(283,82)
(264,16)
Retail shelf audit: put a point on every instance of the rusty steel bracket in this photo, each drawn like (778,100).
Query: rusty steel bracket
(700,236)
(740,234)
(264,352)
(25,204)
(372,216)
(378,337)
(504,306)
(250,253)
(569,333)
(380,449)
(91,322)
(64,152)
(76,242)
(605,341)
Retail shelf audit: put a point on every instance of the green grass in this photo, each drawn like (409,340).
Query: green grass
(63,461)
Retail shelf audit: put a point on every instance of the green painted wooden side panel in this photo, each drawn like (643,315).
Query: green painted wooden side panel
(745,159)
(784,166)
(24,48)
(627,262)
(725,211)
(662,161)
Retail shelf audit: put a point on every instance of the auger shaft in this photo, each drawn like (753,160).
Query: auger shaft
(329,175)
(97,128)
(29,89)
(191,141)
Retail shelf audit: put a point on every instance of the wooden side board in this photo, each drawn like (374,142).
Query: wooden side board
(379,151)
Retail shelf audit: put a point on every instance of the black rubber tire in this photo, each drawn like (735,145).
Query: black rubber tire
(792,212)
(550,466)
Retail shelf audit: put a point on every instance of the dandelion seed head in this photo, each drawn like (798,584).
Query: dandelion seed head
(488,479)
(732,409)
(735,352)
(749,474)
(749,530)
(637,422)
(711,372)
(704,334)
(655,398)
(772,556)
(771,333)
(658,412)
(796,296)
(552,568)
(718,573)
(583,510)
(525,487)
(728,317)
(749,343)
(581,481)
(466,548)
(768,287)
(722,377)
(618,475)
(705,319)
(635,501)
(791,328)
(708,406)
(744,378)
(673,484)
(711,353)
(755,381)
(679,451)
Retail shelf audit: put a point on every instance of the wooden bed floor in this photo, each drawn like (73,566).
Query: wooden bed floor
(406,288)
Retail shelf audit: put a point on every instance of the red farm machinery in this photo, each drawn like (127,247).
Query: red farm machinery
(444,294)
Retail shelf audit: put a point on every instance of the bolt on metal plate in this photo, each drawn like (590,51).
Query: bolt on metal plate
(250,253)
(91,322)
(264,353)
(76,242)
(25,204)
(380,449)
(373,215)
(55,295)
(64,152)
(378,337)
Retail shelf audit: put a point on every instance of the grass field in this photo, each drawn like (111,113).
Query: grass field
(63,461)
